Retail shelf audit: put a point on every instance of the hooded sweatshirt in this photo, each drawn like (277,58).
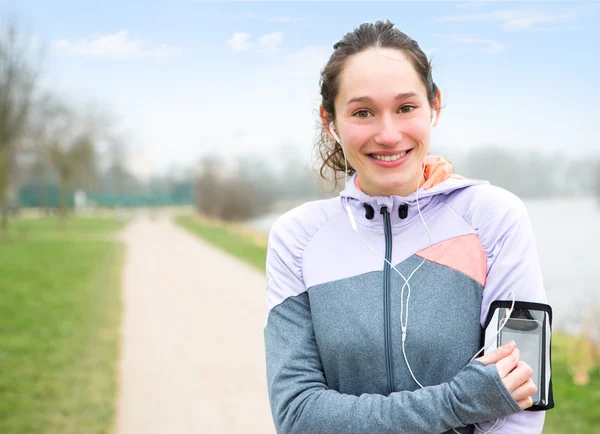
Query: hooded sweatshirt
(333,334)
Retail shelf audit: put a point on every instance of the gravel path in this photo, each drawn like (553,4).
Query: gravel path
(192,351)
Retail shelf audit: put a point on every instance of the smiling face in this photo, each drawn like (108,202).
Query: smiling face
(383,120)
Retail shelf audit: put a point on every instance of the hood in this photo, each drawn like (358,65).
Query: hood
(440,179)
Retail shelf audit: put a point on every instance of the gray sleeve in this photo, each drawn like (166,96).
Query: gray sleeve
(301,402)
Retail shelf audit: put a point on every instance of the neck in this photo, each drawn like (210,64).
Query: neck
(402,191)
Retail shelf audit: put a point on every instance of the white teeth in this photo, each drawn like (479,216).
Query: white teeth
(389,157)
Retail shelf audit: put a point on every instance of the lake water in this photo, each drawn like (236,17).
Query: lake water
(567,233)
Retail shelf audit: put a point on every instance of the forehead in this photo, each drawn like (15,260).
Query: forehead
(379,72)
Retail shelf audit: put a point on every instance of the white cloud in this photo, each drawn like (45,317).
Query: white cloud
(470,4)
(304,63)
(116,45)
(547,29)
(270,43)
(488,45)
(255,16)
(240,41)
(430,51)
(281,20)
(267,18)
(267,44)
(513,20)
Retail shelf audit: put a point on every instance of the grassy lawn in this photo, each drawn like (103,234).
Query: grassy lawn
(47,228)
(577,407)
(59,326)
(235,243)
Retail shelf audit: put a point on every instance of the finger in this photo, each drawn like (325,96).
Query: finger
(518,376)
(526,390)
(525,403)
(498,354)
(508,363)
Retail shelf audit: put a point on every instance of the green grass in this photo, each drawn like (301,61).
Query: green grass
(76,229)
(577,407)
(59,327)
(236,244)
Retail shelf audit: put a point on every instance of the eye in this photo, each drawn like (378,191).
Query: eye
(361,114)
(406,108)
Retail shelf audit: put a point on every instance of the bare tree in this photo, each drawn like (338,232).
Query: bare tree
(111,146)
(40,173)
(117,169)
(68,141)
(241,198)
(208,194)
(17,84)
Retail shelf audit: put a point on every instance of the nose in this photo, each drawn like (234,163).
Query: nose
(389,133)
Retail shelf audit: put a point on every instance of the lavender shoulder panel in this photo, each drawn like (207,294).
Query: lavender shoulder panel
(500,220)
(336,252)
(288,239)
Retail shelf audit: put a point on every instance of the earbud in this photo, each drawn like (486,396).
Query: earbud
(332,129)
(348,210)
(434,118)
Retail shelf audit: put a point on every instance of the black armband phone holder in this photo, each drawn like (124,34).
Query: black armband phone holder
(530,326)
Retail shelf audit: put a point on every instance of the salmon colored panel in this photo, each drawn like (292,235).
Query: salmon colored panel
(463,254)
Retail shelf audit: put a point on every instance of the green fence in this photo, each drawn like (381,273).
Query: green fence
(48,196)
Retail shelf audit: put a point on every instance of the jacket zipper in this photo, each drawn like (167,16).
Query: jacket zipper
(387,308)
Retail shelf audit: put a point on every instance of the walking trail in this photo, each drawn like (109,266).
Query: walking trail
(192,349)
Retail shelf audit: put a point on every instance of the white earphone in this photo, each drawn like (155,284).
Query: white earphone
(332,129)
(346,206)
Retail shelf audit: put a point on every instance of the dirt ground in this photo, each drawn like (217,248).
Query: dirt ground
(192,351)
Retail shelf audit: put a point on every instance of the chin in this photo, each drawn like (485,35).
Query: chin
(391,186)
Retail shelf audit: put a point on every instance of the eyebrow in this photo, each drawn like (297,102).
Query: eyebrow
(365,98)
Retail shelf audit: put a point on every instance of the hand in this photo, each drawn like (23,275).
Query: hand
(515,374)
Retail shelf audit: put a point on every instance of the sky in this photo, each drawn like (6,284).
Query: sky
(185,78)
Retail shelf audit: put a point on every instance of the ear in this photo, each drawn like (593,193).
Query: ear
(326,119)
(437,106)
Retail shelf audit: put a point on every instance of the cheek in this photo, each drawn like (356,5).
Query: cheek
(418,131)
(356,136)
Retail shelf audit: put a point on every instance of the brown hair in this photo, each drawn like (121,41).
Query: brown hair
(381,34)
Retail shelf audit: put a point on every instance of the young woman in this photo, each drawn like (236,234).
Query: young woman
(377,298)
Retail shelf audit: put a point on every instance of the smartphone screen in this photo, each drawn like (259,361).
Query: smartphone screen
(526,331)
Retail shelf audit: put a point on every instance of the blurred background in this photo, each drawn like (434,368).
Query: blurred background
(139,141)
